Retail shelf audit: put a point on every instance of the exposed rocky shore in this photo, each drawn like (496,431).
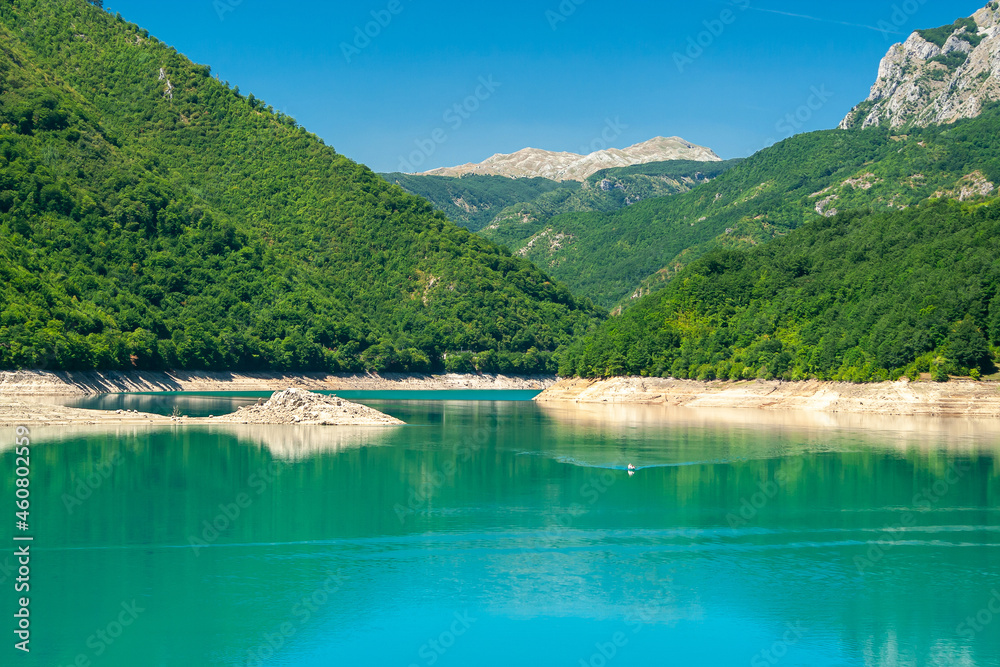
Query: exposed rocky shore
(296,406)
(42,383)
(291,407)
(969,399)
(16,412)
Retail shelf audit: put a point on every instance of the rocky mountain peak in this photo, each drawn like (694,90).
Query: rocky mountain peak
(533,162)
(936,76)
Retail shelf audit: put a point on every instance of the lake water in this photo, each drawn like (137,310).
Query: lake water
(502,532)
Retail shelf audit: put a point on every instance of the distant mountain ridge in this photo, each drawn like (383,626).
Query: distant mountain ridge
(565,166)
(616,257)
(937,76)
(483,203)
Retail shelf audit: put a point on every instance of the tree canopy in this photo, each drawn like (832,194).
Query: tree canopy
(154,217)
(613,257)
(857,297)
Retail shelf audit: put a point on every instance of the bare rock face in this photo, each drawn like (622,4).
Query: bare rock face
(532,162)
(297,406)
(936,77)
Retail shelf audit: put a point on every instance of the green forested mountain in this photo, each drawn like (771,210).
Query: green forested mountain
(857,297)
(500,207)
(616,257)
(152,216)
(472,201)
(605,191)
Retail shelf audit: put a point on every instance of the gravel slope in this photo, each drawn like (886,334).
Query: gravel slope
(296,406)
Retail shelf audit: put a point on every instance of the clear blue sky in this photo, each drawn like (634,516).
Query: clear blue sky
(564,68)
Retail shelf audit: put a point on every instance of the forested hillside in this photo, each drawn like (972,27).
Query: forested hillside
(473,201)
(153,217)
(856,297)
(615,257)
(500,207)
(605,191)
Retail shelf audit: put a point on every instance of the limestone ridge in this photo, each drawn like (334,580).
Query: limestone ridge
(936,76)
(533,162)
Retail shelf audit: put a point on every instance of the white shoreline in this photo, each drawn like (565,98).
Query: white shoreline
(904,398)
(44,383)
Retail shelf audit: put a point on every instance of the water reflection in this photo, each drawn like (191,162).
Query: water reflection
(205,404)
(289,442)
(799,429)
(876,543)
(191,405)
(297,443)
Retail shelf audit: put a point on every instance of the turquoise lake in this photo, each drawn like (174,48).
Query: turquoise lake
(498,531)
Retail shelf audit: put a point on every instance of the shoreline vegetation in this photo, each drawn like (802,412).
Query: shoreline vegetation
(902,398)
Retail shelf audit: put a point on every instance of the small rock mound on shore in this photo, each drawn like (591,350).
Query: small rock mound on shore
(298,406)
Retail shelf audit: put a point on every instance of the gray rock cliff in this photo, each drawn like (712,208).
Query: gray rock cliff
(936,76)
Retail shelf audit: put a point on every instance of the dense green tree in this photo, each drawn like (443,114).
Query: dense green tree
(967,346)
(472,201)
(994,319)
(615,256)
(857,297)
(197,229)
(497,205)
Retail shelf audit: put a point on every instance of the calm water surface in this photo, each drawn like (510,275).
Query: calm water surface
(499,532)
